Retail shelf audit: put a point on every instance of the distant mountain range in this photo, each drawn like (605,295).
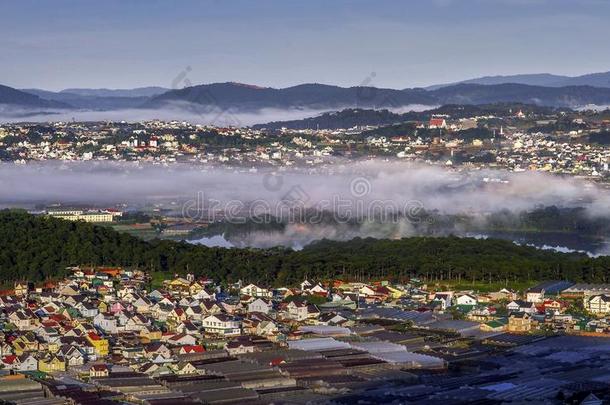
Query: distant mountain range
(137,92)
(13,97)
(570,96)
(308,96)
(96,99)
(539,79)
(320,96)
(538,89)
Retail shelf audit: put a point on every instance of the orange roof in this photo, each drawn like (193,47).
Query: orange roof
(110,271)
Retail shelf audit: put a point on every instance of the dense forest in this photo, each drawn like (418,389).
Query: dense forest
(36,248)
(569,220)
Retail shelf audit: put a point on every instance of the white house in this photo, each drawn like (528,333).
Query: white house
(22,321)
(255,291)
(444,299)
(260,305)
(142,305)
(367,291)
(240,346)
(331,318)
(182,339)
(203,294)
(521,306)
(107,323)
(597,304)
(136,322)
(27,362)
(535,295)
(99,371)
(184,368)
(87,309)
(73,355)
(297,310)
(222,324)
(317,289)
(466,299)
(266,328)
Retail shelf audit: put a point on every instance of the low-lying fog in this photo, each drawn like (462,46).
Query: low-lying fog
(394,183)
(178,111)
(363,189)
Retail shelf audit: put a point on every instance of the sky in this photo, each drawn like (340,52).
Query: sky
(57,44)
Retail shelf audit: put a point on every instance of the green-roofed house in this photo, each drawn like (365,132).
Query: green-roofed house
(496,325)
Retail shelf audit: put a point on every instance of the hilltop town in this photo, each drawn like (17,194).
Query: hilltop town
(511,137)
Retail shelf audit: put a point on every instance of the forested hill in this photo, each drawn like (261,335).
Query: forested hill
(351,117)
(36,248)
(347,118)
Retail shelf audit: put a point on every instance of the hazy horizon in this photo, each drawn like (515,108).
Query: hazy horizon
(67,89)
(69,44)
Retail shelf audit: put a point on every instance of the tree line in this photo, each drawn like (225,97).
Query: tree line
(36,248)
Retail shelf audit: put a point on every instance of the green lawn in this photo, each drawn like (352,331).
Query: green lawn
(142,233)
(158,277)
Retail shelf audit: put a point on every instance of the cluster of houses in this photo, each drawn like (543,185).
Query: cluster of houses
(110,316)
(155,142)
(99,317)
(555,306)
(515,148)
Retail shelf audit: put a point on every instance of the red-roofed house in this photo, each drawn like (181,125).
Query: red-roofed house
(99,371)
(188,349)
(437,123)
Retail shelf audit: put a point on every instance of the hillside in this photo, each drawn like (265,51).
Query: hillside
(90,101)
(571,96)
(348,118)
(601,79)
(14,97)
(135,92)
(351,117)
(36,248)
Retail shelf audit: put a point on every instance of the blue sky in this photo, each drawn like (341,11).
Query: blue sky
(56,44)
